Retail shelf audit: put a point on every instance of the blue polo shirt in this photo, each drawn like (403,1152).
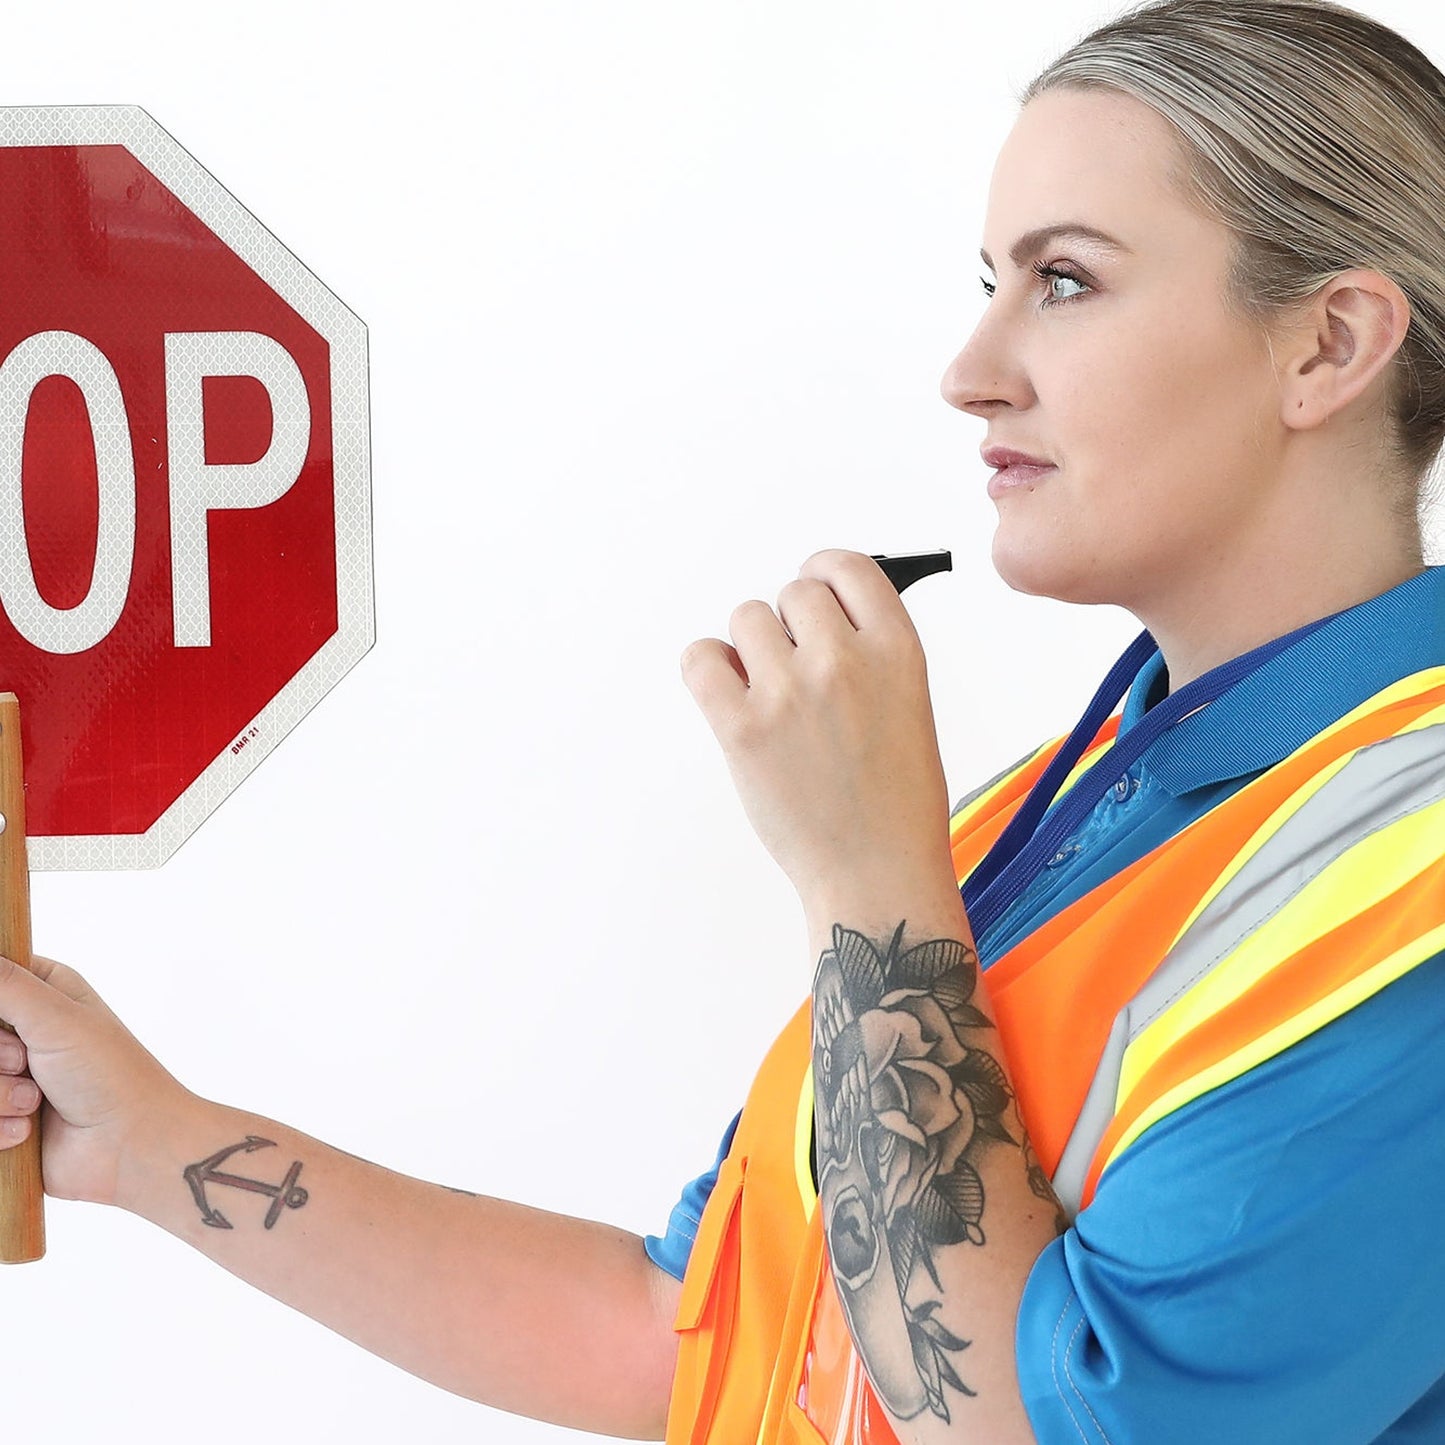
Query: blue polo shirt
(1267,1263)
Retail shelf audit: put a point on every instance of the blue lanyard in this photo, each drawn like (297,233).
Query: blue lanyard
(1020,852)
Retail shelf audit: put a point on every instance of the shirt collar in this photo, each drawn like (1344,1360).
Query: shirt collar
(1297,693)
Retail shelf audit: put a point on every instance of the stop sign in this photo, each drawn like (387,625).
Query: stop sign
(185,548)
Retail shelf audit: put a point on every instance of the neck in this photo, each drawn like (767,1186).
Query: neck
(1221,613)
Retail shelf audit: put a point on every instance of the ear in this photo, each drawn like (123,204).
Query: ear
(1339,346)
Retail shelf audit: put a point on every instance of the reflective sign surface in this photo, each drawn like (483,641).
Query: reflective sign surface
(184,514)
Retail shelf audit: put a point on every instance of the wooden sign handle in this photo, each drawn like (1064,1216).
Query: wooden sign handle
(22,1194)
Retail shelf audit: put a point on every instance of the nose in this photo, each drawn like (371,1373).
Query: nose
(983,378)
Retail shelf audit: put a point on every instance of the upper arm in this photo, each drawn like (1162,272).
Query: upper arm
(666,1291)
(1267,1263)
(658,1343)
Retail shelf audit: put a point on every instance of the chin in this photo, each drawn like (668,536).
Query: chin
(1043,571)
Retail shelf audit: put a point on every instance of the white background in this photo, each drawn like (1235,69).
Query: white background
(659,295)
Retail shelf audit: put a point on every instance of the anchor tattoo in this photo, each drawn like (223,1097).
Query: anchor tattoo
(285,1195)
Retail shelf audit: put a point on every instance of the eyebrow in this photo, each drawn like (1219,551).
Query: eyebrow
(1032,240)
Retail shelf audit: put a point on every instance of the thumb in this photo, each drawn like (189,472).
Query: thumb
(33,1007)
(58,976)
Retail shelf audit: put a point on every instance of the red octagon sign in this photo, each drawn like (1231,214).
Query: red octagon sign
(185,546)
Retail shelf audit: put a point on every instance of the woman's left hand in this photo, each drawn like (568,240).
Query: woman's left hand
(823,713)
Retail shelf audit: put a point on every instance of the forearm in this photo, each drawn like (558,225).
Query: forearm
(536,1313)
(934,1210)
(922,1157)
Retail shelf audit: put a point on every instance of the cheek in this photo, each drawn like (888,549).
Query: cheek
(1162,416)
(1146,421)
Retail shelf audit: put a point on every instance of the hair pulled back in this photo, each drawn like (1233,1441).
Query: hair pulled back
(1317,136)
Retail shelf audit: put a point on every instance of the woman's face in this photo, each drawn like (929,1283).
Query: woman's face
(1156,405)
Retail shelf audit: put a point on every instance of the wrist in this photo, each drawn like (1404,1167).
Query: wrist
(877,899)
(150,1169)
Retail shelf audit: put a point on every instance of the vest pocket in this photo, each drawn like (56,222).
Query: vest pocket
(828,1396)
(707,1310)
(787,1420)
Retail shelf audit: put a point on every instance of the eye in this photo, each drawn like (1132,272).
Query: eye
(1054,276)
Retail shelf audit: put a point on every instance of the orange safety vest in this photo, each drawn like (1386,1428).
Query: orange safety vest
(1304,893)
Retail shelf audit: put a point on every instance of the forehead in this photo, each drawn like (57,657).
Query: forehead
(1096,157)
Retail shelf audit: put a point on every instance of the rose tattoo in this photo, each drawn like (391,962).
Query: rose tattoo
(903,1108)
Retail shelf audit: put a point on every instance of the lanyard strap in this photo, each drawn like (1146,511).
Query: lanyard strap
(1020,852)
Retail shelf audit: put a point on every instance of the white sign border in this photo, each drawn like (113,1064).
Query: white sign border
(305,293)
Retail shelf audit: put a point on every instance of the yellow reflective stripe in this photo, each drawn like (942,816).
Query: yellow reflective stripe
(1291,1031)
(803,1141)
(968,810)
(1091,756)
(1406,688)
(1371,870)
(1409,686)
(1425,720)
(1416,683)
(1261,836)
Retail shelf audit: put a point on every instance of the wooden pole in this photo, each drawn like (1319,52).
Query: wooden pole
(22,1213)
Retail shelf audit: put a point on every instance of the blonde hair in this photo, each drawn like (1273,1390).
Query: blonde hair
(1317,136)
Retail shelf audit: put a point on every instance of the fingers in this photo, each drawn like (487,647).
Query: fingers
(762,644)
(716,679)
(19,1098)
(718,675)
(835,595)
(12,1054)
(866,596)
(811,611)
(15,1131)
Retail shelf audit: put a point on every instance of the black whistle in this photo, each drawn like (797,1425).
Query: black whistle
(904,568)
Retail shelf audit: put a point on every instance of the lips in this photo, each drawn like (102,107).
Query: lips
(1013,470)
(1001,457)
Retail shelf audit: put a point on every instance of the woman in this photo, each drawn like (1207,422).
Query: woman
(1166,1170)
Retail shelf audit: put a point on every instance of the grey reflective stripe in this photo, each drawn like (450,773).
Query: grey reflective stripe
(1093,1118)
(1383,782)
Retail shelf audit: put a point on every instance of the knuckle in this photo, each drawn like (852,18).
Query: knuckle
(831,559)
(692,655)
(801,588)
(46,968)
(752,608)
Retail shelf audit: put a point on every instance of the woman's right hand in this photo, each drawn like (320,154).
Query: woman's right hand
(97,1083)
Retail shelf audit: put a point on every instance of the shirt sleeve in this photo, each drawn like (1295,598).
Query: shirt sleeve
(672,1250)
(1266,1264)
